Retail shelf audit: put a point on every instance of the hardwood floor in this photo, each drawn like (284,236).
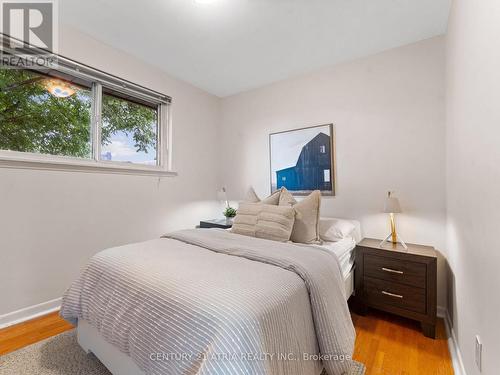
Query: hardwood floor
(391,345)
(23,334)
(386,344)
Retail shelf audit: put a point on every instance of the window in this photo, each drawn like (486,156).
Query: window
(40,114)
(322,149)
(326,175)
(129,131)
(75,115)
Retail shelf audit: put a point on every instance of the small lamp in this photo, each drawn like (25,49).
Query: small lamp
(59,88)
(222,196)
(392,207)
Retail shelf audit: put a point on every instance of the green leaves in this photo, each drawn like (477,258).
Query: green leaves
(33,120)
(229,212)
(121,115)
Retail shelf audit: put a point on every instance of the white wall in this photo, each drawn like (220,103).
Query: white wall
(52,222)
(389,115)
(473,177)
(388,110)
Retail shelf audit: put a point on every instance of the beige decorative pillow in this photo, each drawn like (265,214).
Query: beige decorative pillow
(252,196)
(306,226)
(264,221)
(286,198)
(273,199)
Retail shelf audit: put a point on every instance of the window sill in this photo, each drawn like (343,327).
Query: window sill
(86,166)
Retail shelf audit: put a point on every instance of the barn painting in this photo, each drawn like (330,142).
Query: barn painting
(302,160)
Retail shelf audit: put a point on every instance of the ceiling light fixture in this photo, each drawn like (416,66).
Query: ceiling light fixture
(59,88)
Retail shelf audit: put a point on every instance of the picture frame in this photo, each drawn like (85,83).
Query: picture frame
(303,160)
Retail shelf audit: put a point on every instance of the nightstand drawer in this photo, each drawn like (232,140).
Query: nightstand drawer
(404,272)
(381,292)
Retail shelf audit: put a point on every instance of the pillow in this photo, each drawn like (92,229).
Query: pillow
(273,199)
(252,196)
(286,198)
(264,221)
(306,226)
(335,229)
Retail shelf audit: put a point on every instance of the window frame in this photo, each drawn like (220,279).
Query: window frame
(100,79)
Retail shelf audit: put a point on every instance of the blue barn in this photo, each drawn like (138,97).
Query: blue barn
(313,168)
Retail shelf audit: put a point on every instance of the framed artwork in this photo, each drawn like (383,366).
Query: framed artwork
(302,160)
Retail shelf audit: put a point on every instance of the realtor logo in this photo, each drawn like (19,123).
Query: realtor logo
(29,30)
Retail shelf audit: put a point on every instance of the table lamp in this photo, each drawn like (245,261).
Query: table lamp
(392,207)
(222,196)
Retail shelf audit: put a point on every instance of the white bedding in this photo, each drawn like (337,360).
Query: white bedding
(210,302)
(344,250)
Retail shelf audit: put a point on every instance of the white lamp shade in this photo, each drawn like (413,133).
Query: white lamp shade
(392,205)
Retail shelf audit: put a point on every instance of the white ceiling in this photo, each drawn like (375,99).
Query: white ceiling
(229,46)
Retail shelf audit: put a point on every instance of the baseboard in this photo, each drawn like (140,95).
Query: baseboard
(455,354)
(442,312)
(30,312)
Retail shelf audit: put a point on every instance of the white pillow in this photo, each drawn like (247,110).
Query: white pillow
(333,230)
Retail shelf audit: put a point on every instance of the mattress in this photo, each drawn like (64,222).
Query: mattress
(344,251)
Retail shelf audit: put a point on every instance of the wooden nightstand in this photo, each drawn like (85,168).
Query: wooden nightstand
(398,281)
(216,223)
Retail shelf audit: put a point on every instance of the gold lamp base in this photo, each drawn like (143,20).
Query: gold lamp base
(393,235)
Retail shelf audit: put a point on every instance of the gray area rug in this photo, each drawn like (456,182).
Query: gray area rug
(61,355)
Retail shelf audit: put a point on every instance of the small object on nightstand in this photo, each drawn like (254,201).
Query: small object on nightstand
(229,212)
(217,223)
(392,207)
(222,196)
(399,280)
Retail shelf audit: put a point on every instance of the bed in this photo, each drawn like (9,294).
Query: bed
(212,302)
(344,251)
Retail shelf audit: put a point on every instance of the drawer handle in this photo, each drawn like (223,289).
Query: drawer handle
(391,270)
(392,294)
